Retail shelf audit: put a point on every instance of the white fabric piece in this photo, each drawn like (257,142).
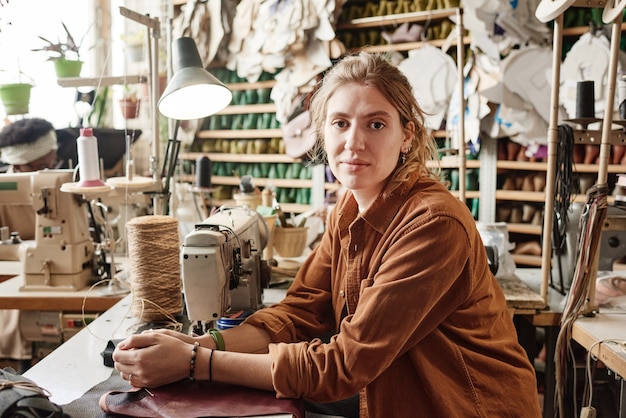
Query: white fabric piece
(25,153)
(522,126)
(476,109)
(201,21)
(525,73)
(479,15)
(484,43)
(277,34)
(433,75)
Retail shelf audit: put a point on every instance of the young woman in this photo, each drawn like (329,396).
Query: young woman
(400,278)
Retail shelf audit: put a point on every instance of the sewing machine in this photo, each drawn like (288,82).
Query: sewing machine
(222,266)
(612,242)
(61,257)
(613,238)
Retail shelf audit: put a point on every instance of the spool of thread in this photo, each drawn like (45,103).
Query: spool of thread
(88,160)
(585,100)
(203,172)
(153,249)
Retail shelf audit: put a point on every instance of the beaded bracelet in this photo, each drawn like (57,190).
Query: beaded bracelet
(219,340)
(192,363)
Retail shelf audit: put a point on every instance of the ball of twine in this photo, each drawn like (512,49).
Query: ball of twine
(154,251)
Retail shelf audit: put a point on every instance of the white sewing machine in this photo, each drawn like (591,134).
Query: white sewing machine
(61,257)
(222,266)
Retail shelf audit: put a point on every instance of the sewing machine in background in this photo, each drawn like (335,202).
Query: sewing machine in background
(222,266)
(613,238)
(612,243)
(62,255)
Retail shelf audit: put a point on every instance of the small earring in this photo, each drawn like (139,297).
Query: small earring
(403,157)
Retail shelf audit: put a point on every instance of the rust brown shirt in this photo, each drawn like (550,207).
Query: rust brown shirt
(420,321)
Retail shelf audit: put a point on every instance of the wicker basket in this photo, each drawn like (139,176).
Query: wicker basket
(290,242)
(251,200)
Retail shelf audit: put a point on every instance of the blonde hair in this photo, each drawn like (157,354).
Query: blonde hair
(375,70)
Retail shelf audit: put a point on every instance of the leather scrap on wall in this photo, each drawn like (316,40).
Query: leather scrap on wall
(204,21)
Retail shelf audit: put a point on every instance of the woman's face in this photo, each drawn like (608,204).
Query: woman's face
(363,138)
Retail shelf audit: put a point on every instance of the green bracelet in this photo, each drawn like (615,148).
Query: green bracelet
(218,338)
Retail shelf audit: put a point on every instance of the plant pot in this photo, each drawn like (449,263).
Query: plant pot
(15,98)
(67,68)
(130,108)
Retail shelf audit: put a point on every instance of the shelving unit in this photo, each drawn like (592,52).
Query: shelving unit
(317,182)
(527,231)
(607,135)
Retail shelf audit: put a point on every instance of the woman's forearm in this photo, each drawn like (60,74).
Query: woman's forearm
(242,339)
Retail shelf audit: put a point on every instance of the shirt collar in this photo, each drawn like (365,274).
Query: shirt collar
(382,211)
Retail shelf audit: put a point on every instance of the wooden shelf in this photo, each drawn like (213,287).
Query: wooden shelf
(409,46)
(543,166)
(527,260)
(285,207)
(101,81)
(240,133)
(539,197)
(522,228)
(253,108)
(520,195)
(239,158)
(397,19)
(469,194)
(580,30)
(262,182)
(265,84)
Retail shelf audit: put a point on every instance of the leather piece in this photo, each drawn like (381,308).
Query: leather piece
(198,399)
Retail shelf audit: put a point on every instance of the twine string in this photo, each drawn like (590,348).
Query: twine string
(153,248)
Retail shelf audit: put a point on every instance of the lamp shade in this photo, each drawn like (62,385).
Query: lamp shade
(192,92)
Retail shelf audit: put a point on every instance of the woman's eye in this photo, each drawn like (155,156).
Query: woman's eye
(340,123)
(377,125)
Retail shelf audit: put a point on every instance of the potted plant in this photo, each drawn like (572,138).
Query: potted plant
(15,94)
(64,54)
(134,46)
(129,104)
(15,85)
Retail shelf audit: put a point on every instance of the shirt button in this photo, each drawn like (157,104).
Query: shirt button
(341,293)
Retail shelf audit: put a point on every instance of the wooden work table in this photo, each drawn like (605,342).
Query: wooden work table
(529,311)
(604,335)
(79,360)
(81,353)
(11,297)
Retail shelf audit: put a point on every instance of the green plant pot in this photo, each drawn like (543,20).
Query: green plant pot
(15,98)
(67,68)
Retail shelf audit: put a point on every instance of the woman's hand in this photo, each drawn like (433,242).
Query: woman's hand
(153,359)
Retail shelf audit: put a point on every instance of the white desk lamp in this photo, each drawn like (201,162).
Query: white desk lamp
(192,93)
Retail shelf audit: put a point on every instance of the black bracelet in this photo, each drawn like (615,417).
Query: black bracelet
(211,366)
(192,363)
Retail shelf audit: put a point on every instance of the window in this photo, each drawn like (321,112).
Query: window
(21,27)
